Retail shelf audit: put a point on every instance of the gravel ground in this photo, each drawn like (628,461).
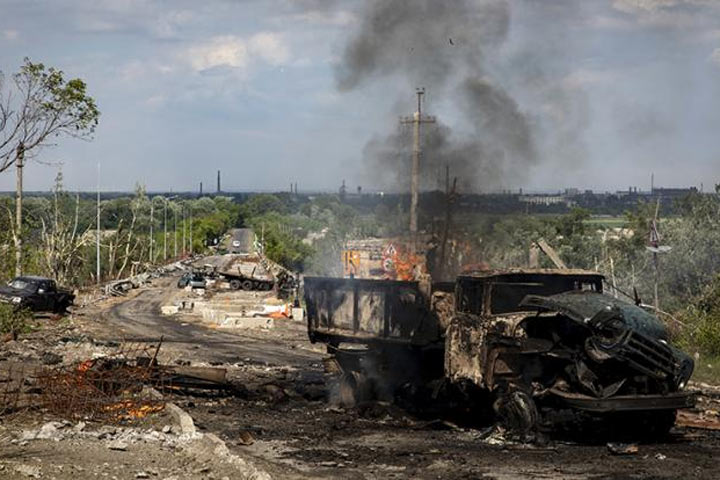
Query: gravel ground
(280,422)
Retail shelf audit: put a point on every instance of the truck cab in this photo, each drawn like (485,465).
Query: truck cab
(39,294)
(536,338)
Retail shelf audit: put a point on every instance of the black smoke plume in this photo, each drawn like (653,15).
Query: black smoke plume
(443,46)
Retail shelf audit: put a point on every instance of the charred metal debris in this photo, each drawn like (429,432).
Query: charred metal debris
(112,388)
(514,343)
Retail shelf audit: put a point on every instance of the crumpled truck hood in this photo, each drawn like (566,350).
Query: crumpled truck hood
(582,306)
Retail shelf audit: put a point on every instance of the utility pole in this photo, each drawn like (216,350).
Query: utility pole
(97,228)
(183,227)
(165,232)
(152,221)
(20,157)
(655,248)
(218,182)
(416,120)
(191,229)
(175,234)
(449,202)
(201,189)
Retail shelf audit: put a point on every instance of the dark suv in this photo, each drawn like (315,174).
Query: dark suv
(38,294)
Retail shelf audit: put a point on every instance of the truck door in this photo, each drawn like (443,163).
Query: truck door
(46,295)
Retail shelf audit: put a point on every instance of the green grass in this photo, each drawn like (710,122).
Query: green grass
(607,222)
(707,370)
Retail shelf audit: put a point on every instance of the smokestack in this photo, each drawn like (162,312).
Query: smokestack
(201,189)
(218,182)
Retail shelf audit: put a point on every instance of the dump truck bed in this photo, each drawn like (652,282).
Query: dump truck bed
(368,311)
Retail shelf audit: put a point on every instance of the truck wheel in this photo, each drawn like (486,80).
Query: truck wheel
(247,285)
(265,286)
(353,389)
(61,307)
(517,411)
(235,284)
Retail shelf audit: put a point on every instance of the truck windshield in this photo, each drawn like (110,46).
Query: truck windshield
(506,295)
(20,284)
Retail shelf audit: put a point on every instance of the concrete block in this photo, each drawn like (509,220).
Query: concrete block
(185,421)
(251,322)
(169,309)
(297,314)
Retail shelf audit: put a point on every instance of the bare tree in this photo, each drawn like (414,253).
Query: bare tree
(62,242)
(38,106)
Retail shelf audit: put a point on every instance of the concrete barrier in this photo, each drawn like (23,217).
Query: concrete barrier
(169,309)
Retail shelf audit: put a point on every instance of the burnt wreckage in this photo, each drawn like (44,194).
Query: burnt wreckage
(524,341)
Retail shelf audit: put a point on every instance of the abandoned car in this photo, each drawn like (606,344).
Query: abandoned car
(38,294)
(527,341)
(192,279)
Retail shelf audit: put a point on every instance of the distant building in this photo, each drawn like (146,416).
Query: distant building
(674,192)
(546,200)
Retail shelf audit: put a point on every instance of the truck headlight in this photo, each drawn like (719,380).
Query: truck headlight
(684,373)
(16,299)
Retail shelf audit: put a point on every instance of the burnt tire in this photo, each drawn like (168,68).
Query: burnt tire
(517,411)
(235,284)
(353,388)
(247,285)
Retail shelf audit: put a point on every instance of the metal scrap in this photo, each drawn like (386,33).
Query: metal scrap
(111,388)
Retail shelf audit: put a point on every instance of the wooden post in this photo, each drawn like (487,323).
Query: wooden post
(20,157)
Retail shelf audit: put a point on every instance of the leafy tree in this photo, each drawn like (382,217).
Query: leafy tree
(41,105)
(261,204)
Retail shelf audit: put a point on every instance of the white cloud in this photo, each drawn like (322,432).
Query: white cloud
(715,56)
(678,14)
(231,51)
(226,51)
(584,77)
(338,18)
(156,101)
(270,47)
(634,6)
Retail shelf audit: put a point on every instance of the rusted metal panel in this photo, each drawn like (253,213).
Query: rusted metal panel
(369,309)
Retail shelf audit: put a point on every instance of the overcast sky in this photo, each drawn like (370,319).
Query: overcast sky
(611,90)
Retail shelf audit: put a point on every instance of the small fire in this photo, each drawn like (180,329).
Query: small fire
(130,409)
(402,264)
(85,366)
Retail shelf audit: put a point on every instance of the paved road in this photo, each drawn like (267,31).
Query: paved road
(139,319)
(245,238)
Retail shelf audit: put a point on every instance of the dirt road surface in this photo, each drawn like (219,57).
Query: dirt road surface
(280,421)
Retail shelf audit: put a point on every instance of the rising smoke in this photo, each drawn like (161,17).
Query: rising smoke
(442,45)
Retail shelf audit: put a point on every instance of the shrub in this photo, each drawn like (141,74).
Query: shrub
(13,320)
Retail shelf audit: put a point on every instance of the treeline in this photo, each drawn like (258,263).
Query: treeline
(308,235)
(60,232)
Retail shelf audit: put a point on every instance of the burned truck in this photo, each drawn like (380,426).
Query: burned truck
(520,343)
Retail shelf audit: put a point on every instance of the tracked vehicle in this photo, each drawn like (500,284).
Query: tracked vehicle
(521,341)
